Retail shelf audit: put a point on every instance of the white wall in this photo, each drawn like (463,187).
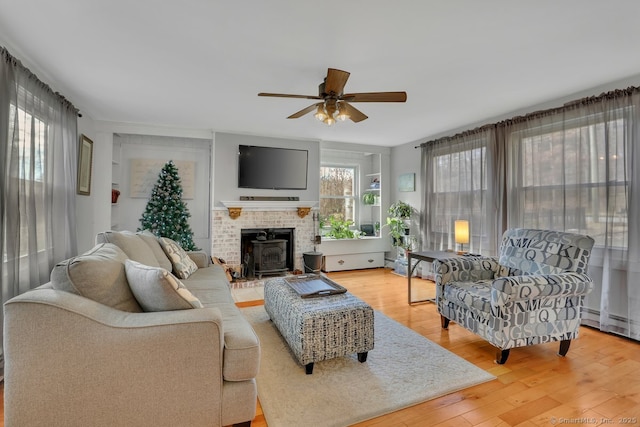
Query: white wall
(383,244)
(97,207)
(164,148)
(225,169)
(87,206)
(406,159)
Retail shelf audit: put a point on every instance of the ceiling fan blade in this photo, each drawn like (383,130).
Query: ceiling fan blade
(354,114)
(304,111)
(336,79)
(284,95)
(375,97)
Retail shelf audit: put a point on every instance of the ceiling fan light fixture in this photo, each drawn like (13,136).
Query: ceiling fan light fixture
(343,114)
(334,103)
(320,114)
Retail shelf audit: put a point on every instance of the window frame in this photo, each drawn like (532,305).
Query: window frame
(32,180)
(444,225)
(354,198)
(580,124)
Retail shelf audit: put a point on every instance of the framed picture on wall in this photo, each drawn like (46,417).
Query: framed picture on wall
(85,161)
(407,182)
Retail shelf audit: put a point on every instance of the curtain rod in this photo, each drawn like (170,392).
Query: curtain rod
(17,63)
(567,105)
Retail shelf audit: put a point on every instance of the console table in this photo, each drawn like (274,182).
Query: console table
(429,256)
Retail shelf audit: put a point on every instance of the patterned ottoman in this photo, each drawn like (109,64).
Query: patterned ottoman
(319,328)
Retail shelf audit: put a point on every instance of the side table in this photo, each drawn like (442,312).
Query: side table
(429,256)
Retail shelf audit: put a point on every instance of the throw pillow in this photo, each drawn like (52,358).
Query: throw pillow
(152,240)
(158,290)
(99,275)
(131,244)
(183,266)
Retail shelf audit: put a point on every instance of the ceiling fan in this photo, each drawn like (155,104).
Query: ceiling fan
(335,104)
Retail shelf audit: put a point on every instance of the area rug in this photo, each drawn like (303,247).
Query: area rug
(402,370)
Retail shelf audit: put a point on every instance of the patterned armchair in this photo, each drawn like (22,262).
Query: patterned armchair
(531,293)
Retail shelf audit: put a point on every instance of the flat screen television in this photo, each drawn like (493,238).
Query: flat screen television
(272,168)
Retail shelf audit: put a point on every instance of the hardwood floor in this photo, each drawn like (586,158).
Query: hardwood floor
(598,383)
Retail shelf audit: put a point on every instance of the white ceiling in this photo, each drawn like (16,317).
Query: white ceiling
(200,63)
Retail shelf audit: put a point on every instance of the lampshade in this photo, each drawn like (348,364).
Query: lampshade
(320,114)
(461,231)
(342,112)
(329,120)
(330,111)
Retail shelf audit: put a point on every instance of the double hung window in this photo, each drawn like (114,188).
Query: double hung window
(338,194)
(30,136)
(457,189)
(572,178)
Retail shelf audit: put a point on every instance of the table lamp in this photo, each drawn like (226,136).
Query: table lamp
(461,231)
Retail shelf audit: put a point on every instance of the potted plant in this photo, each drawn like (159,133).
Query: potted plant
(399,214)
(400,210)
(396,230)
(341,229)
(399,236)
(368,198)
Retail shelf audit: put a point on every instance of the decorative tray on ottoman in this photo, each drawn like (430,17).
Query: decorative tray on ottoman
(314,285)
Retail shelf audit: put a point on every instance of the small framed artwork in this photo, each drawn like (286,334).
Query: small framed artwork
(407,182)
(85,161)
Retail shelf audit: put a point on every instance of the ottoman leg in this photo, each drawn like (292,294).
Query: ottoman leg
(309,368)
(362,357)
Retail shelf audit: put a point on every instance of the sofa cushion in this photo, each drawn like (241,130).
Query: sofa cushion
(183,266)
(152,240)
(241,359)
(211,296)
(131,244)
(158,290)
(99,275)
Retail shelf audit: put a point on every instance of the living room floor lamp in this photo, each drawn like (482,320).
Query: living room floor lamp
(461,232)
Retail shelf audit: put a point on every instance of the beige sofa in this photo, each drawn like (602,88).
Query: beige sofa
(81,351)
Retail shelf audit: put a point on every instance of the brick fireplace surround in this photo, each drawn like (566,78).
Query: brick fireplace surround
(227,232)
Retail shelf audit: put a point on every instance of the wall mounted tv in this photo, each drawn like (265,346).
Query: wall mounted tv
(272,168)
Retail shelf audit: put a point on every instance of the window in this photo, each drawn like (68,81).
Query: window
(338,192)
(574,179)
(459,187)
(31,135)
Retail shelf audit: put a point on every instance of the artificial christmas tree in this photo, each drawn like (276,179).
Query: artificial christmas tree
(166,215)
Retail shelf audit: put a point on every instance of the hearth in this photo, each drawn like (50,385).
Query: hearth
(267,251)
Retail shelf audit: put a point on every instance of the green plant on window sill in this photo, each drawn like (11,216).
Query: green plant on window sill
(340,229)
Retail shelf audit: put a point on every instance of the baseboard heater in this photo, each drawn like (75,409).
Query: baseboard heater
(619,325)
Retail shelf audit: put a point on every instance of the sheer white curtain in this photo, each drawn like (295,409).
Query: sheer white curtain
(38,152)
(576,169)
(463,180)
